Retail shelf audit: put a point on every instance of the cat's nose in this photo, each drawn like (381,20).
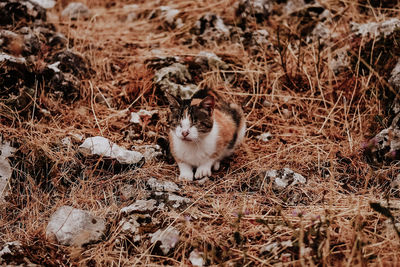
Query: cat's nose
(185,133)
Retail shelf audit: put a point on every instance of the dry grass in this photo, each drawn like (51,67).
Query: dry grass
(233,216)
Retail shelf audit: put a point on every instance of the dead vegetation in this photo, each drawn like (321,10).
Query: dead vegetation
(319,121)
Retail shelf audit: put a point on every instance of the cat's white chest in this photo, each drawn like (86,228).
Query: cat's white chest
(196,153)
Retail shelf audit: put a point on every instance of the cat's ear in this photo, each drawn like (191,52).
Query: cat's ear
(208,103)
(173,101)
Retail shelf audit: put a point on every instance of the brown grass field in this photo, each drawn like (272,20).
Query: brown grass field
(319,121)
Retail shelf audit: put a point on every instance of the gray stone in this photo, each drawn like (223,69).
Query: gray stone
(394,79)
(130,225)
(211,60)
(177,200)
(260,39)
(5,168)
(151,152)
(140,206)
(10,249)
(385,145)
(12,59)
(169,15)
(47,4)
(168,237)
(374,29)
(340,60)
(133,14)
(283,178)
(76,10)
(174,79)
(275,246)
(293,6)
(196,258)
(259,9)
(396,182)
(163,186)
(265,137)
(211,28)
(75,227)
(177,71)
(142,115)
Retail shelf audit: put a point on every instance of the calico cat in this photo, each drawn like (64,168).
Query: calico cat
(203,130)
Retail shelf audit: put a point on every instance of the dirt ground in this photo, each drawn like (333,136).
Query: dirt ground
(319,121)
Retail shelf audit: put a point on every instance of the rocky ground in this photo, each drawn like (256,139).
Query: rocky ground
(86,177)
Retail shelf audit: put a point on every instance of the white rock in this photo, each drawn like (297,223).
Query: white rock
(177,200)
(47,4)
(186,91)
(165,186)
(211,60)
(140,206)
(75,227)
(77,136)
(265,137)
(66,141)
(5,168)
(176,70)
(293,6)
(170,15)
(130,226)
(101,146)
(374,29)
(255,7)
(196,258)
(260,39)
(5,149)
(179,73)
(396,182)
(321,31)
(168,237)
(287,243)
(394,79)
(76,10)
(151,152)
(387,140)
(6,57)
(270,247)
(133,12)
(128,191)
(284,177)
(138,117)
(9,248)
(340,60)
(54,67)
(215,24)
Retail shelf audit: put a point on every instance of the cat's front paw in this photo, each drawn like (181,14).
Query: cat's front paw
(186,175)
(203,171)
(186,172)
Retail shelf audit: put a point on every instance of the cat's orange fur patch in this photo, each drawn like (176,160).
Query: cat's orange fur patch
(227,130)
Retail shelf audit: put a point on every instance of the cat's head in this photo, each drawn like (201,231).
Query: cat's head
(191,119)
